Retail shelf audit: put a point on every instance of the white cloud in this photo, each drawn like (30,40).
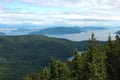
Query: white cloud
(52,18)
(20,18)
(75,12)
(75,3)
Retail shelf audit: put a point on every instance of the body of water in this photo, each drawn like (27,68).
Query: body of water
(101,35)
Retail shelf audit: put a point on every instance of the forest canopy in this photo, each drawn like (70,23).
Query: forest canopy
(98,62)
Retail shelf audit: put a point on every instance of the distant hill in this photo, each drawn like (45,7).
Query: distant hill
(64,30)
(58,30)
(33,29)
(2,34)
(20,55)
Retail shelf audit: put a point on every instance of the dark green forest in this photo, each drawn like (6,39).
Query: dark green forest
(22,55)
(98,62)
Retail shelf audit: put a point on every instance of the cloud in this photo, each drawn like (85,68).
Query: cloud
(62,12)
(58,3)
(75,3)
(54,18)
(20,18)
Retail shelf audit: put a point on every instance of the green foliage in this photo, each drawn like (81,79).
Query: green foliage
(76,66)
(98,62)
(28,77)
(113,60)
(59,70)
(22,55)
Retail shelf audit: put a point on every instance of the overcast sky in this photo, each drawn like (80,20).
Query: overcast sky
(61,12)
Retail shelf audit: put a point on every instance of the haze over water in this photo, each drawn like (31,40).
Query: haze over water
(101,35)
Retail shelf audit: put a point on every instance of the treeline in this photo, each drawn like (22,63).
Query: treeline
(98,62)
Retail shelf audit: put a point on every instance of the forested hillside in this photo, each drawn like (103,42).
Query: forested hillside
(22,55)
(98,62)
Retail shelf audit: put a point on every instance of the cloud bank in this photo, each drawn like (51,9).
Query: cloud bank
(61,12)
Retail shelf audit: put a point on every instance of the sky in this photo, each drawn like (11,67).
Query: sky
(60,12)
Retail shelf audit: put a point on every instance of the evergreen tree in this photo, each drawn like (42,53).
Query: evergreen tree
(117,58)
(53,72)
(98,65)
(98,62)
(88,57)
(59,70)
(28,77)
(77,66)
(44,74)
(63,71)
(95,59)
(110,58)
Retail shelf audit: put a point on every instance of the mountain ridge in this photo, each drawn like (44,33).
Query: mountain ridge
(20,55)
(64,30)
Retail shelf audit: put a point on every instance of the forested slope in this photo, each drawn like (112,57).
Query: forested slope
(22,55)
(98,62)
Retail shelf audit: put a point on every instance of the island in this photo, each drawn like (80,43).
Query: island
(2,34)
(57,30)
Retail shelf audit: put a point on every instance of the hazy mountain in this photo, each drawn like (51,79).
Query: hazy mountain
(32,29)
(64,30)
(58,30)
(2,34)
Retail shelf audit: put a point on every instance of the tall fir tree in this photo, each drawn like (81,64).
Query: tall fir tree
(95,60)
(98,64)
(88,57)
(77,66)
(110,58)
(59,70)
(44,74)
(52,66)
(117,57)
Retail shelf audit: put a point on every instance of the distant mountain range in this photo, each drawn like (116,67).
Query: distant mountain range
(64,30)
(58,30)
(33,30)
